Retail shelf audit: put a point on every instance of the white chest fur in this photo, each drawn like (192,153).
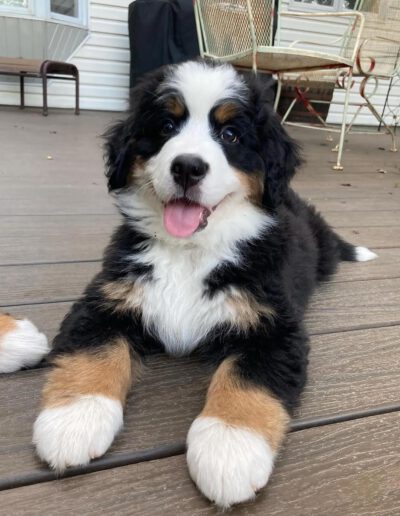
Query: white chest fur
(174,305)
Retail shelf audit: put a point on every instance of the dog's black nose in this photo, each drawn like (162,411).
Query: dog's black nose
(188,169)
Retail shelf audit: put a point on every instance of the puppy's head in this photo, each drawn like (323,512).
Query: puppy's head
(197,137)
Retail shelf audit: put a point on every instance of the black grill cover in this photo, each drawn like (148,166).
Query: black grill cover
(160,32)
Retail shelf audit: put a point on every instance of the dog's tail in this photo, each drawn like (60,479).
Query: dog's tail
(352,253)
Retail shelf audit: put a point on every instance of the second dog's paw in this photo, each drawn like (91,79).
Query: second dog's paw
(229,464)
(73,434)
(21,344)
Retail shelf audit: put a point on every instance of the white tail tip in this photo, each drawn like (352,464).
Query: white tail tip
(363,254)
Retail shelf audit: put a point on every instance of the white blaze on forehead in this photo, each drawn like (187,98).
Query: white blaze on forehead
(202,85)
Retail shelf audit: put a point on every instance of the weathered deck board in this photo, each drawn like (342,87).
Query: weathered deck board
(54,239)
(346,468)
(162,406)
(367,218)
(41,283)
(376,237)
(343,306)
(74,238)
(57,211)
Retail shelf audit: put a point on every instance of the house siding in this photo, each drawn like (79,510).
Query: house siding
(103,61)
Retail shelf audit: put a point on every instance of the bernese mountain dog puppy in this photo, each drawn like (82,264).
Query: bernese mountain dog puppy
(215,254)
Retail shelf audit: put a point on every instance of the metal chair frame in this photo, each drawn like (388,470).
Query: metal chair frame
(247,47)
(386,66)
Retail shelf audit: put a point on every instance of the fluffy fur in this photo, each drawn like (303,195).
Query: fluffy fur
(228,464)
(215,254)
(22,345)
(75,433)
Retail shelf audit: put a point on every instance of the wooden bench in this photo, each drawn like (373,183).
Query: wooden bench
(43,70)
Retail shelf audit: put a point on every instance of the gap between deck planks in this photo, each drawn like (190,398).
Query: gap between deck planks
(350,468)
(162,406)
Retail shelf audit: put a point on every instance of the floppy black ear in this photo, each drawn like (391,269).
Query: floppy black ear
(280,154)
(120,148)
(119,152)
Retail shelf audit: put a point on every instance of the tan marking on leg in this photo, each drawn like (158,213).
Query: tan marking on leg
(245,406)
(252,184)
(247,309)
(226,112)
(7,324)
(125,295)
(106,372)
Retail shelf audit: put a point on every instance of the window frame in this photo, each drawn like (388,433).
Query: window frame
(81,19)
(41,10)
(15,10)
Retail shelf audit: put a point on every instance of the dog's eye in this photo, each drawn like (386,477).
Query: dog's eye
(168,128)
(229,135)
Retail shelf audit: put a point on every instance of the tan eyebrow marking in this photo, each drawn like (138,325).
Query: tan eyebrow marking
(175,106)
(225,112)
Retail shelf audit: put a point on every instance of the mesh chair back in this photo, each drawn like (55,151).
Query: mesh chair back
(231,28)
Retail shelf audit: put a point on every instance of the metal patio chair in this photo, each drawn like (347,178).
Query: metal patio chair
(377,59)
(247,33)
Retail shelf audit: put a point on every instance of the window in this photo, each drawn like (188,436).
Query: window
(14,3)
(72,12)
(323,5)
(68,8)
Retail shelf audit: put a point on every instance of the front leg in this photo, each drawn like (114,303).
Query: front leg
(83,398)
(232,444)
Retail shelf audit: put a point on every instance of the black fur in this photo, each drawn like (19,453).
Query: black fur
(280,268)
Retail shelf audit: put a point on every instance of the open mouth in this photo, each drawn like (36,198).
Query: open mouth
(183,217)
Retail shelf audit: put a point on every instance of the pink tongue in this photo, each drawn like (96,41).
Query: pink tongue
(181,219)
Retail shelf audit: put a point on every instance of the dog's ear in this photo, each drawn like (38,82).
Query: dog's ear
(280,154)
(120,148)
(118,152)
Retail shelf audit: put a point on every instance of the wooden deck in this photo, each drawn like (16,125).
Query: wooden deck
(343,454)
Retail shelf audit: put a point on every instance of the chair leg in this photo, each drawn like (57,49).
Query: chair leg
(289,110)
(44,83)
(339,165)
(22,91)
(382,121)
(278,93)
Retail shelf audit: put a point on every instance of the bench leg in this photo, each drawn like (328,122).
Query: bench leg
(44,82)
(77,93)
(22,91)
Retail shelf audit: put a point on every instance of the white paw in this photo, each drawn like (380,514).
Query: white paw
(363,254)
(228,464)
(22,346)
(73,434)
